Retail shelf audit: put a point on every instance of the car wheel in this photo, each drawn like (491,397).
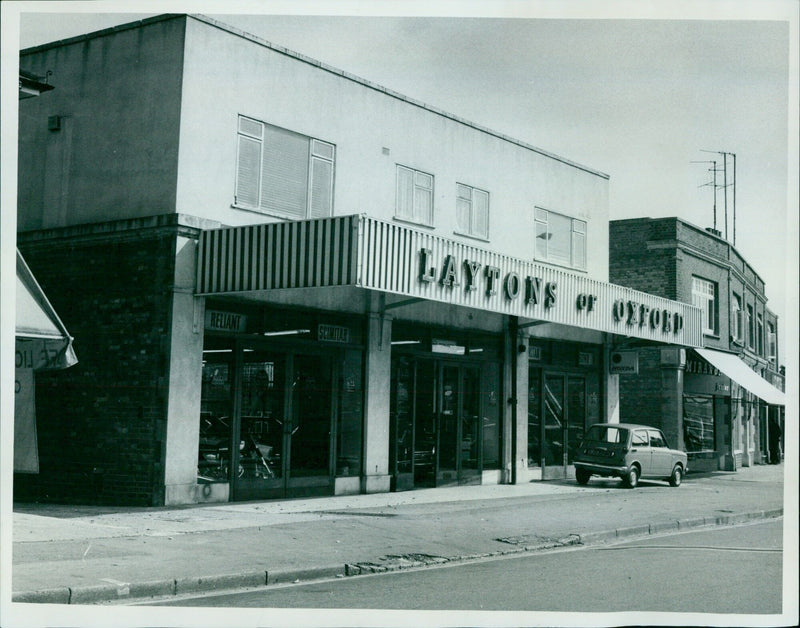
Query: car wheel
(582,476)
(632,477)
(677,476)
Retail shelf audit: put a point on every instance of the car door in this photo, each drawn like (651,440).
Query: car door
(640,450)
(661,456)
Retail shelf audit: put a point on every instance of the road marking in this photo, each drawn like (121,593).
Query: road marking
(698,547)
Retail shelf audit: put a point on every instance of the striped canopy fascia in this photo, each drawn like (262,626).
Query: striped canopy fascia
(364,252)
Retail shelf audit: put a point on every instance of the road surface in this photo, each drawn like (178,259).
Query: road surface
(721,570)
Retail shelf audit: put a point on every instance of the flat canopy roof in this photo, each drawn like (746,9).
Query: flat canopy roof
(364,252)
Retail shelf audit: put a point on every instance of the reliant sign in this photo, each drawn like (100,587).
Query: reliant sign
(225,321)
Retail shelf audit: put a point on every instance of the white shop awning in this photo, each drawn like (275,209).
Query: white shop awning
(41,336)
(735,368)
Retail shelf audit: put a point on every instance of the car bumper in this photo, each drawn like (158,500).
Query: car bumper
(602,469)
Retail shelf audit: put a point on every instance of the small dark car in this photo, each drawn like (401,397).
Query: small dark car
(629,452)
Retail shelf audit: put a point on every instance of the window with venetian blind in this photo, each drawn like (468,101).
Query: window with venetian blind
(472,211)
(414,201)
(560,239)
(283,173)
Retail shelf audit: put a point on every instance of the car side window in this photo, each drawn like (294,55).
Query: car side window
(656,439)
(639,438)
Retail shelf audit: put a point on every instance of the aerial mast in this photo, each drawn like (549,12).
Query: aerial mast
(724,186)
(713,184)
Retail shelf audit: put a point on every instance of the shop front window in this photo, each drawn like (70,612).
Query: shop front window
(262,416)
(534,419)
(213,464)
(348,429)
(491,415)
(698,423)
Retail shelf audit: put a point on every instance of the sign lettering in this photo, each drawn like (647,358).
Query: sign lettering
(472,269)
(537,292)
(225,321)
(333,333)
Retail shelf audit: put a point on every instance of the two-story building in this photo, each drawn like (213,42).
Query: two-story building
(729,392)
(285,280)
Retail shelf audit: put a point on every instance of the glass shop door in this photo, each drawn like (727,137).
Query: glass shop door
(436,423)
(563,424)
(283,425)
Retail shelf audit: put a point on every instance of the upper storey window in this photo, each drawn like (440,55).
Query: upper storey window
(283,173)
(772,342)
(737,318)
(560,239)
(704,296)
(760,334)
(472,211)
(414,196)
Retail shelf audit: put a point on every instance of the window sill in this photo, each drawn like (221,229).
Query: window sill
(408,221)
(711,334)
(471,237)
(267,212)
(565,266)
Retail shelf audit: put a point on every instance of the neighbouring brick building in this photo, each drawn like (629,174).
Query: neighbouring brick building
(727,395)
(284,280)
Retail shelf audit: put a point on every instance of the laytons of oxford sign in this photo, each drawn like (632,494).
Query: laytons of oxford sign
(536,291)
(362,252)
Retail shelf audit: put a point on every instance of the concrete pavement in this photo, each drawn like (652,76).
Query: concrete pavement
(84,555)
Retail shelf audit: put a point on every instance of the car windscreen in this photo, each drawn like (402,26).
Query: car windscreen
(606,434)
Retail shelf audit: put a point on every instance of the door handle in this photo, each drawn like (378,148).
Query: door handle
(634,450)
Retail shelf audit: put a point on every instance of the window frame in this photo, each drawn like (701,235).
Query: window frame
(772,342)
(706,291)
(751,327)
(316,154)
(578,239)
(470,231)
(737,311)
(412,218)
(759,334)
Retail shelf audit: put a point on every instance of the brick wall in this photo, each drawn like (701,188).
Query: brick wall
(101,423)
(640,395)
(632,263)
